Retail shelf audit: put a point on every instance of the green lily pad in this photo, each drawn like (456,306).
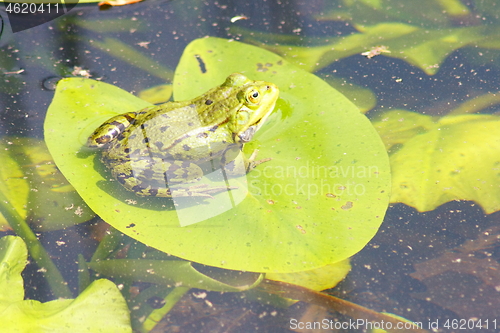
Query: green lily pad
(436,161)
(318,201)
(99,308)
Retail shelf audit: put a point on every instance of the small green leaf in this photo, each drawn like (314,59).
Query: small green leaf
(318,279)
(319,200)
(321,278)
(13,256)
(452,158)
(99,308)
(13,185)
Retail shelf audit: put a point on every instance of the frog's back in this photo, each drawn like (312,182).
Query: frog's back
(176,131)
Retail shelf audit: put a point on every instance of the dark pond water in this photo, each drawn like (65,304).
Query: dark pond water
(435,266)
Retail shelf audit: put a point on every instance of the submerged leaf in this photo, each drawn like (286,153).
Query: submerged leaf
(477,275)
(362,97)
(399,126)
(453,158)
(313,58)
(172,272)
(158,94)
(128,54)
(421,47)
(424,13)
(36,189)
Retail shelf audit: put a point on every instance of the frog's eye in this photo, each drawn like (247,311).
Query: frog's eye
(253,96)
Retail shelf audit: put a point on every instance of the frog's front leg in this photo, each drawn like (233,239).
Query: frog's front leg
(251,163)
(237,166)
(156,177)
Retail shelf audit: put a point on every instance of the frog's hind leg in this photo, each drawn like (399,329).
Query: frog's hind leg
(162,179)
(110,129)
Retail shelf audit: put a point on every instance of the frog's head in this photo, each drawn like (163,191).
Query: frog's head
(257,100)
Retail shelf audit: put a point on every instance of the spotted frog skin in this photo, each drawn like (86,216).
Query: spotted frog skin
(154,149)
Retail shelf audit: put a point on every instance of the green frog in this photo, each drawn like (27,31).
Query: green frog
(152,150)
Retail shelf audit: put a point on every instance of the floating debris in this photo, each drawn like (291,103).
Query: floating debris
(117,2)
(237,18)
(375,51)
(14,72)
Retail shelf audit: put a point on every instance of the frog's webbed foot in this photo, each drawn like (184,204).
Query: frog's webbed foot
(252,163)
